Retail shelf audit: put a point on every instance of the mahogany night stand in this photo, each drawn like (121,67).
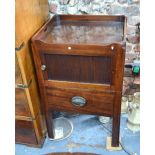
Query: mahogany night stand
(79,61)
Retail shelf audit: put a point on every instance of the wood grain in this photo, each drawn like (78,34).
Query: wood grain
(89,68)
(29,132)
(30,16)
(21,103)
(79,68)
(25,132)
(18,76)
(62,98)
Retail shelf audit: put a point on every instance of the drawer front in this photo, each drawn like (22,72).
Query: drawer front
(80,101)
(21,103)
(28,100)
(25,132)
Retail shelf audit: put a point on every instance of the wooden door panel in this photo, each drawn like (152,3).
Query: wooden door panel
(83,64)
(88,69)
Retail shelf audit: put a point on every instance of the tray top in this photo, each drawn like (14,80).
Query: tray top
(84,31)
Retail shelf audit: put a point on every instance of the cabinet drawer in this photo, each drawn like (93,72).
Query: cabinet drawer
(69,99)
(25,132)
(21,102)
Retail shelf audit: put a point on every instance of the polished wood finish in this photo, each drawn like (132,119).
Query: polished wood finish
(62,98)
(30,16)
(18,76)
(89,65)
(68,68)
(34,13)
(29,132)
(25,131)
(21,102)
(30,122)
(83,30)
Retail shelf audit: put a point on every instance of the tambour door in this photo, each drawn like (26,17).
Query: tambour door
(85,65)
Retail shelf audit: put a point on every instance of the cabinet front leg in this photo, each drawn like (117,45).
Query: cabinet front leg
(115,131)
(116,120)
(49,123)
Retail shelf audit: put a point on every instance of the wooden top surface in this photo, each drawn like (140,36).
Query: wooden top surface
(83,30)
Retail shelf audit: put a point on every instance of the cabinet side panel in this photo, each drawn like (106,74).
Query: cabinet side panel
(30,16)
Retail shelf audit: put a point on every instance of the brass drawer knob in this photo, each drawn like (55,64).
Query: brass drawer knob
(43,67)
(78,101)
(69,48)
(112,47)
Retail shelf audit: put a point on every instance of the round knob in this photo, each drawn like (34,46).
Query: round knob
(43,67)
(78,101)
(112,48)
(69,48)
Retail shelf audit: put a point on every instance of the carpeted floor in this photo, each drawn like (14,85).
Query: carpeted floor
(88,136)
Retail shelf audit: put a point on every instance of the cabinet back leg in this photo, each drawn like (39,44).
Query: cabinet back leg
(49,123)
